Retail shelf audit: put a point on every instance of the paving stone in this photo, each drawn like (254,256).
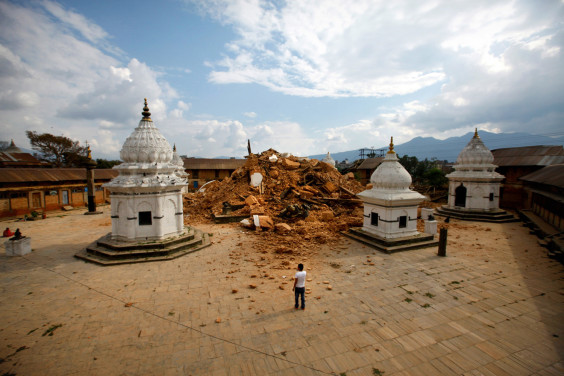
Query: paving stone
(159,318)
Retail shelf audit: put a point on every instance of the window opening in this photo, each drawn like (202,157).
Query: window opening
(145,218)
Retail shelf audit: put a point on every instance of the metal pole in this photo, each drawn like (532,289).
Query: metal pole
(443,242)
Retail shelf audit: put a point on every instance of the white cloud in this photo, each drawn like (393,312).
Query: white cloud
(178,112)
(211,137)
(59,74)
(497,62)
(250,114)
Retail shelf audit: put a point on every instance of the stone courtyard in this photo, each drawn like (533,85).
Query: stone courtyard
(493,306)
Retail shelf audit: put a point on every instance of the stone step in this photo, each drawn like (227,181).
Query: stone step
(391,249)
(99,254)
(495,217)
(359,231)
(83,255)
(143,252)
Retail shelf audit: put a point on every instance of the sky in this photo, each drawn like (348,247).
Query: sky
(304,77)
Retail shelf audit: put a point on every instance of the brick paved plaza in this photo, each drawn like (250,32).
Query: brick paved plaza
(493,306)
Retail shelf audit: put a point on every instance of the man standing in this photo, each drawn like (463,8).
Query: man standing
(299,285)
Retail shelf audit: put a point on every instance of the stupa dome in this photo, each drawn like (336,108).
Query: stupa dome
(391,175)
(475,153)
(146,144)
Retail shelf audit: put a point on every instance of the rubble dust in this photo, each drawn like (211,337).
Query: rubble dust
(299,201)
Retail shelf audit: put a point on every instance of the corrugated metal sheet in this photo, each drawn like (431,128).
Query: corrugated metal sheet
(542,155)
(212,164)
(549,175)
(18,157)
(370,163)
(24,175)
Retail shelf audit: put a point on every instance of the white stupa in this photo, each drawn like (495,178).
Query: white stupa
(474,185)
(146,197)
(390,207)
(329,160)
(179,163)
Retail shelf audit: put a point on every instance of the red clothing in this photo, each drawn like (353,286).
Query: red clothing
(7,233)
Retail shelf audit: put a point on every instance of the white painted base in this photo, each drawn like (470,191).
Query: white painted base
(18,247)
(388,226)
(477,195)
(431,227)
(425,212)
(163,210)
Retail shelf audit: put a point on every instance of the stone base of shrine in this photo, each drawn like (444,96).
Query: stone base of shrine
(495,216)
(391,245)
(107,251)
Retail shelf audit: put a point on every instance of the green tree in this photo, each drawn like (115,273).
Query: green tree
(60,151)
(105,163)
(409,163)
(435,177)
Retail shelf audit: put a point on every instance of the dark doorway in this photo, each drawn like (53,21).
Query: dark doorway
(460,196)
(403,221)
(374,219)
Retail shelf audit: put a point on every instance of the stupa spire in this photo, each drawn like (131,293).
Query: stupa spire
(146,114)
(391,151)
(476,133)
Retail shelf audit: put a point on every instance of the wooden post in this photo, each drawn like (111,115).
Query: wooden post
(443,242)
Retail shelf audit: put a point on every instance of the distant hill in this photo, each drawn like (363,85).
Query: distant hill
(448,149)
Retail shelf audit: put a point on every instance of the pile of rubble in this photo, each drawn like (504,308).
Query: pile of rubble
(304,200)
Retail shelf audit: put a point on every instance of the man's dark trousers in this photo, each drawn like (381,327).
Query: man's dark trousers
(300,291)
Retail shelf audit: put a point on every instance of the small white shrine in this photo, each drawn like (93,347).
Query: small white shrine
(329,160)
(146,196)
(390,207)
(180,170)
(474,185)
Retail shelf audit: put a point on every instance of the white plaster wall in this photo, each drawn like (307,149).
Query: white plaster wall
(160,205)
(477,196)
(388,223)
(169,220)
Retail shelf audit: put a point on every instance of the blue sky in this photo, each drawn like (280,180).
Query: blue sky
(304,77)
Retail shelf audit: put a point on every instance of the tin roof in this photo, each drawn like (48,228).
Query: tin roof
(12,158)
(541,155)
(370,163)
(25,175)
(212,164)
(549,175)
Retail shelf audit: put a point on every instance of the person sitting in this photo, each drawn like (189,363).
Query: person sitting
(17,235)
(7,233)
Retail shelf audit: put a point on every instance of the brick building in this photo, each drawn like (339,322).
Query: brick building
(25,190)
(514,163)
(203,170)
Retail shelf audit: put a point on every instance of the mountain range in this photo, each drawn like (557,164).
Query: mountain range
(448,149)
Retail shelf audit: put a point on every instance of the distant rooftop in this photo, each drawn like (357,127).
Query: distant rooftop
(549,175)
(370,163)
(541,155)
(26,175)
(212,164)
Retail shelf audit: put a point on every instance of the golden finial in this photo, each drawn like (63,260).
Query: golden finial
(391,151)
(174,148)
(476,133)
(89,151)
(146,114)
